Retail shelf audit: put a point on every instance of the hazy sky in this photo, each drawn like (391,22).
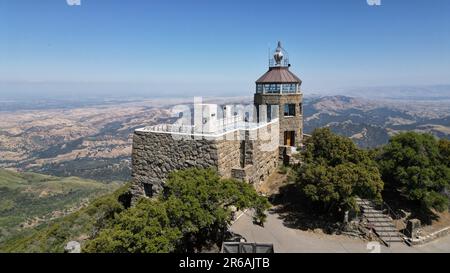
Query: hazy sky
(219,47)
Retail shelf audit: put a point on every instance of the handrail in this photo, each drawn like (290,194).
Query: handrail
(395,216)
(389,234)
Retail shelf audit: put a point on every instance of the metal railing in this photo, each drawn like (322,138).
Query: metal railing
(173,128)
(383,206)
(371,205)
(221,126)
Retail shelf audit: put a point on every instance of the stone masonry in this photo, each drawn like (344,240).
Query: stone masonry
(290,123)
(235,147)
(248,155)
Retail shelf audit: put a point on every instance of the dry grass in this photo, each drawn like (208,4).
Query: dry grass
(272,184)
(442,221)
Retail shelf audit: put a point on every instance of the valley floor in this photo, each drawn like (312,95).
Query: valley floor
(286,239)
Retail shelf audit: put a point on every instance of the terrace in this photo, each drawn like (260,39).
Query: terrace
(211,128)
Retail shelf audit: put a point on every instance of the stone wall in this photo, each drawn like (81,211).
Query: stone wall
(260,155)
(155,155)
(228,151)
(294,123)
(430,237)
(250,155)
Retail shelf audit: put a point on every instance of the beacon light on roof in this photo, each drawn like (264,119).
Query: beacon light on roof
(280,57)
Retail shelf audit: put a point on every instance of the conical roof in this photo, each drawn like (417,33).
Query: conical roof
(279,74)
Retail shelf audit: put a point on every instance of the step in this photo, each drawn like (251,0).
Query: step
(392,229)
(379,216)
(375,213)
(384,225)
(379,220)
(379,231)
(394,240)
(372,211)
(389,234)
(376,216)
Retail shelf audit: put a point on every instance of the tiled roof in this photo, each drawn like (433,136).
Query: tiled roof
(279,75)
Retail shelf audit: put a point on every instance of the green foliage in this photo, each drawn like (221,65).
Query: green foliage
(335,171)
(33,199)
(54,235)
(144,228)
(198,201)
(444,150)
(329,149)
(417,166)
(192,212)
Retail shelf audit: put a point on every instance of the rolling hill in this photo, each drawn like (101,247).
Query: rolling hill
(94,141)
(28,200)
(370,123)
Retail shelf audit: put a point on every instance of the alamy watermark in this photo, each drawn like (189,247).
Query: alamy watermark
(374,247)
(373,2)
(73,2)
(222,122)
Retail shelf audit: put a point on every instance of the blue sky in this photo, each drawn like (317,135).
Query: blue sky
(216,47)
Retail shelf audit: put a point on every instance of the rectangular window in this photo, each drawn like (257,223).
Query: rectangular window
(293,88)
(273,88)
(289,88)
(289,110)
(269,112)
(300,108)
(259,88)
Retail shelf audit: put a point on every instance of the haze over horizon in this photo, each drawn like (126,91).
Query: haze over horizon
(174,48)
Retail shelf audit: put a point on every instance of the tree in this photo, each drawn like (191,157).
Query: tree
(335,171)
(444,150)
(330,149)
(417,167)
(144,228)
(193,211)
(199,202)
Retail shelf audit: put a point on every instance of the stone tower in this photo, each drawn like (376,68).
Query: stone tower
(279,89)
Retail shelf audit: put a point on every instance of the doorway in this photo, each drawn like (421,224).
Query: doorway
(289,138)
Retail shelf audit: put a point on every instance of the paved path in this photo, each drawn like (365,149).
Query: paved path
(287,239)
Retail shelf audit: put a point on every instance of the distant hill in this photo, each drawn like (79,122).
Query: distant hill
(405,92)
(28,200)
(94,141)
(370,123)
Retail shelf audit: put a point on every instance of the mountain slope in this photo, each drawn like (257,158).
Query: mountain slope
(29,199)
(52,236)
(370,123)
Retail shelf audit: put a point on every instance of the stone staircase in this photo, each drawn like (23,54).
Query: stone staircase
(381,223)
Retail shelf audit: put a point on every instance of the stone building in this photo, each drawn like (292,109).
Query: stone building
(280,87)
(224,138)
